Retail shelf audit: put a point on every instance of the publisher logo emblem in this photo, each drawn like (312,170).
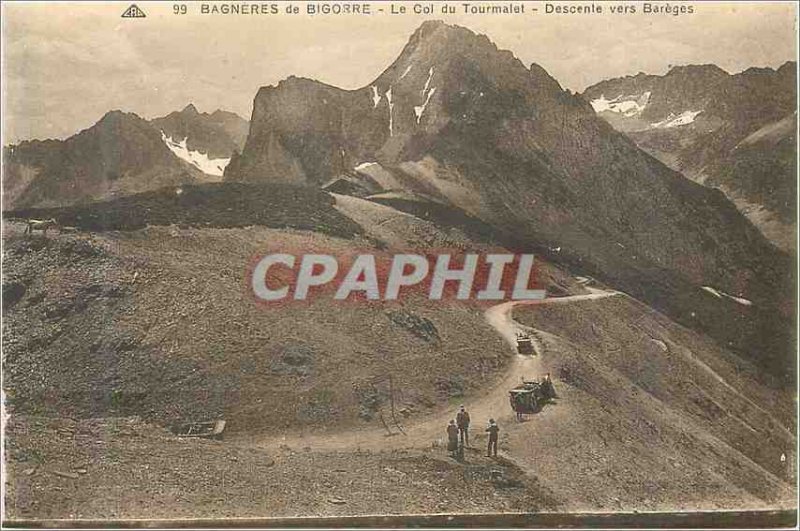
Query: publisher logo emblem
(133,12)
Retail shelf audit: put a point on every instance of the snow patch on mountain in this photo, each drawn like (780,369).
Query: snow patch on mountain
(428,81)
(419,109)
(632,105)
(721,294)
(376,98)
(427,93)
(405,73)
(201,161)
(391,108)
(365,165)
(684,118)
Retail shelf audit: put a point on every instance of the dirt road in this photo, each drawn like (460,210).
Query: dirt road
(493,403)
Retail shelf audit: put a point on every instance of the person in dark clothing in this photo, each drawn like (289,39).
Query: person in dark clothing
(518,406)
(492,430)
(462,420)
(452,438)
(547,387)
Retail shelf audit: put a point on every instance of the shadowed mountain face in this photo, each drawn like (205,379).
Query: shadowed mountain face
(218,134)
(458,122)
(732,132)
(121,154)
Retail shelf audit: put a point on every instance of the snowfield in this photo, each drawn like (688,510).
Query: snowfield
(632,105)
(365,165)
(684,118)
(201,161)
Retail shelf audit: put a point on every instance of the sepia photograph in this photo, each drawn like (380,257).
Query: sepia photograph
(393,264)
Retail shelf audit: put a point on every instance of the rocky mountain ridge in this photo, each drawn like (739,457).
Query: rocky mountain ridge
(121,154)
(217,134)
(731,132)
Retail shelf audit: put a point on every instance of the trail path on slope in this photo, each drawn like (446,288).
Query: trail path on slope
(423,433)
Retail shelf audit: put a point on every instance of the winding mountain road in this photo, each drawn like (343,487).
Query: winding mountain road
(493,403)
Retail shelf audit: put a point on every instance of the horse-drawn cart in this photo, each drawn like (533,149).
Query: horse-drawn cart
(524,344)
(530,396)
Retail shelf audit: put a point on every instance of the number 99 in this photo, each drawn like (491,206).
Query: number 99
(179,9)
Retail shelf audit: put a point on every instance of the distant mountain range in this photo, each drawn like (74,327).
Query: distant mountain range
(455,122)
(121,154)
(732,132)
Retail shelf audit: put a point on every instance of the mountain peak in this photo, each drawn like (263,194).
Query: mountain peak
(441,39)
(117,116)
(540,77)
(759,71)
(112,114)
(221,114)
(190,109)
(431,25)
(443,47)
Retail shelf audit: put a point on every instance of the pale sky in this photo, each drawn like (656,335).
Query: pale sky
(65,64)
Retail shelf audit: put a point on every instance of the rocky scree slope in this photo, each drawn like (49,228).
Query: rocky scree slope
(160,322)
(654,407)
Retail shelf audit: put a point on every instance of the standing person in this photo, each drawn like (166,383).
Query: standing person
(517,405)
(547,387)
(452,438)
(462,419)
(493,430)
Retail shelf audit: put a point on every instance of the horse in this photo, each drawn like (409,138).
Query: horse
(40,224)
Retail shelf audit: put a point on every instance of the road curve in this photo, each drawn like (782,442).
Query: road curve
(423,433)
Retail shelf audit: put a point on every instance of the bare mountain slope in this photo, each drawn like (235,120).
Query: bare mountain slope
(120,155)
(732,132)
(145,472)
(157,322)
(160,323)
(652,415)
(218,134)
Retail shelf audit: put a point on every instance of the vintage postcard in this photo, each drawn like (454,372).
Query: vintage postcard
(387,264)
